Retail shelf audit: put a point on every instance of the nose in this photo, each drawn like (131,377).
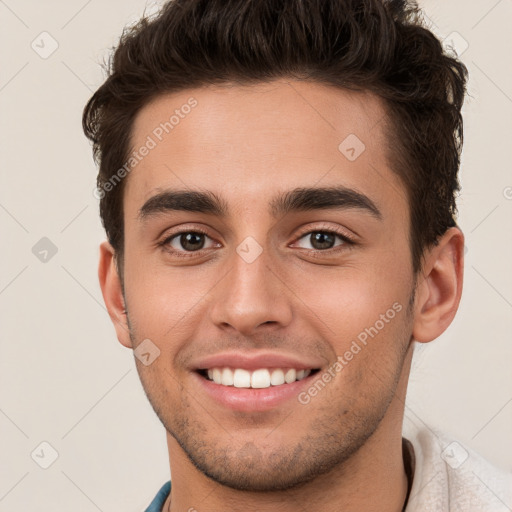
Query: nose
(251,297)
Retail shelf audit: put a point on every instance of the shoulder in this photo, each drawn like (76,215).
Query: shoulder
(450,476)
(159,500)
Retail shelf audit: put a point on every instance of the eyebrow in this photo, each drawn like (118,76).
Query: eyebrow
(305,199)
(183,200)
(295,200)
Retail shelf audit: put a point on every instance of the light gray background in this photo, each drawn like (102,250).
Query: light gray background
(66,380)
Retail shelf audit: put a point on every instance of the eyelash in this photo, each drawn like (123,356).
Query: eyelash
(347,241)
(182,254)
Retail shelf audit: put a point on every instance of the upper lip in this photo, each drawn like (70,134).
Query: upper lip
(255,360)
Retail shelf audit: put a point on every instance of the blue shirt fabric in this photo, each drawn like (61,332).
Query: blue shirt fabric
(159,500)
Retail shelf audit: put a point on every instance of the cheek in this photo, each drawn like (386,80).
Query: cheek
(347,301)
(161,298)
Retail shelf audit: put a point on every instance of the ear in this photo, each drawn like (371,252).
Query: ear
(112,293)
(439,287)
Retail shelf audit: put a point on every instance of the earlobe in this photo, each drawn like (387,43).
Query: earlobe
(440,287)
(110,284)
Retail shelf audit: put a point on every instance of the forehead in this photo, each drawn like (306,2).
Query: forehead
(244,142)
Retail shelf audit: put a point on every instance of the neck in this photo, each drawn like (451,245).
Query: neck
(373,479)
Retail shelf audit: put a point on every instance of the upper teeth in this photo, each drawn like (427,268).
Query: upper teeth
(261,378)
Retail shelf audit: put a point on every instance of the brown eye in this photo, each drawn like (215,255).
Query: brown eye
(321,240)
(192,241)
(187,241)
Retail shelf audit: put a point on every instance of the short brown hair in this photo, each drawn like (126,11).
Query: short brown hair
(371,45)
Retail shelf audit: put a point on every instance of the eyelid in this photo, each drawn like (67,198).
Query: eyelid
(174,231)
(347,239)
(327,229)
(166,240)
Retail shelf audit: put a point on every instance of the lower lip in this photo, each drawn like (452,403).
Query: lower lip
(253,400)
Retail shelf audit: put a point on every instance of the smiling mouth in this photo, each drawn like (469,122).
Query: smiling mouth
(257,379)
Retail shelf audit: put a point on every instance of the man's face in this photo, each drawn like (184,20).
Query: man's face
(300,282)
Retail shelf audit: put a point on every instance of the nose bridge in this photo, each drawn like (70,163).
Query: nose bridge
(251,295)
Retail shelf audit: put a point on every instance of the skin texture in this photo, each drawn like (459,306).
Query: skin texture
(342,450)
